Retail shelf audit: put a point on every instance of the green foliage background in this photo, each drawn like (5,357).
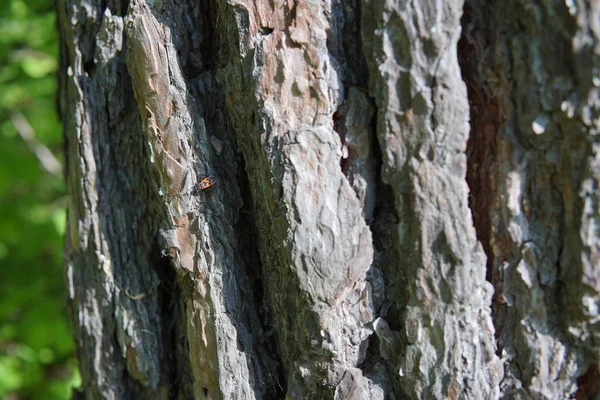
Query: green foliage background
(36,348)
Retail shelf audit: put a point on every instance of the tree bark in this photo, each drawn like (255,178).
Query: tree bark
(396,214)
(532,73)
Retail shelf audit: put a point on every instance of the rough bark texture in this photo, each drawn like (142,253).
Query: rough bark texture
(378,229)
(533,75)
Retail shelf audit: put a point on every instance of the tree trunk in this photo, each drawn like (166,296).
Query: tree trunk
(339,253)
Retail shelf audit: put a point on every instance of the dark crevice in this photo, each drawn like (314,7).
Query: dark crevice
(103,6)
(351,119)
(248,244)
(198,37)
(265,31)
(385,240)
(121,8)
(487,108)
(339,126)
(87,40)
(481,143)
(589,384)
(486,121)
(209,43)
(345,43)
(249,251)
(362,159)
(175,363)
(89,66)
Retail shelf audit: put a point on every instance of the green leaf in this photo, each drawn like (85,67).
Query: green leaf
(38,66)
(59,218)
(10,377)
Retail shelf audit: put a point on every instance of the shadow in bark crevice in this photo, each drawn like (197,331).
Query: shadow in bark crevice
(249,250)
(481,145)
(177,371)
(589,384)
(355,120)
(486,119)
(229,208)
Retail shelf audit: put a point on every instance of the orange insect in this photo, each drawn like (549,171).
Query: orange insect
(205,183)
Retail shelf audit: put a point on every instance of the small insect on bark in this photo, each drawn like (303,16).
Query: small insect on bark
(204,184)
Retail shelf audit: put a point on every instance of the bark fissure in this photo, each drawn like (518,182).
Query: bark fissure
(487,110)
(242,292)
(355,120)
(175,349)
(255,272)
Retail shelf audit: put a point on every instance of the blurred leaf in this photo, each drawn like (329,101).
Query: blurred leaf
(36,349)
(46,355)
(59,218)
(38,67)
(3,250)
(10,377)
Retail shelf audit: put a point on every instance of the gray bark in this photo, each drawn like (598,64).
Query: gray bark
(397,214)
(534,181)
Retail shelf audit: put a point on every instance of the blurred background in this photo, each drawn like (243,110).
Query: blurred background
(37,358)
